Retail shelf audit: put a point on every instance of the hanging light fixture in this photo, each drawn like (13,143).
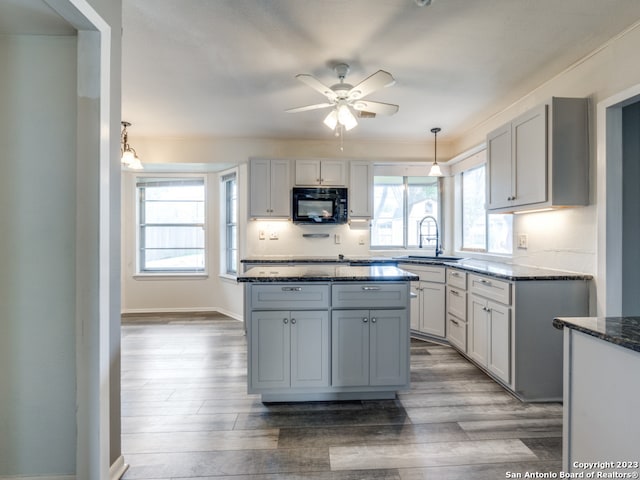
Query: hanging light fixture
(128,156)
(435,168)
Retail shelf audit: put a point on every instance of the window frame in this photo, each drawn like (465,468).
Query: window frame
(139,236)
(224,208)
(406,214)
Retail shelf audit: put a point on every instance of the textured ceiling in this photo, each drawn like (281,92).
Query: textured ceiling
(227,67)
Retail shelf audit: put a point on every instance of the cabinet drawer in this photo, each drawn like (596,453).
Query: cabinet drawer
(370,295)
(457,333)
(457,302)
(491,288)
(426,273)
(456,278)
(290,296)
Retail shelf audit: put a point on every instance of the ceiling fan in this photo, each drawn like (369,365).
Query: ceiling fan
(343,97)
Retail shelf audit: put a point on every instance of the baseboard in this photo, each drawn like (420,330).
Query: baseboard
(182,311)
(118,468)
(39,477)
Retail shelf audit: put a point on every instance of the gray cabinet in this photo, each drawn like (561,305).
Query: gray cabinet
(320,172)
(369,348)
(457,309)
(289,349)
(269,188)
(540,159)
(360,189)
(428,300)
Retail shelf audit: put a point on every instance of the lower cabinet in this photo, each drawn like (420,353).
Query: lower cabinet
(428,300)
(369,347)
(490,338)
(289,349)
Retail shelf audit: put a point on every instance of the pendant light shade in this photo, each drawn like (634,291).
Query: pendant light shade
(435,170)
(128,156)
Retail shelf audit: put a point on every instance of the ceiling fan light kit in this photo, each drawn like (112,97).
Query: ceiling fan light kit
(343,97)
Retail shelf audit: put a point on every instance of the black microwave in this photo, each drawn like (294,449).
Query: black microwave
(315,205)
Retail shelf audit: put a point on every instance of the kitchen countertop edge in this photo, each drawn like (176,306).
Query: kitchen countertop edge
(622,331)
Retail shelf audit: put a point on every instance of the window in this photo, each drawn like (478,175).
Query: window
(481,231)
(400,203)
(229,216)
(171,226)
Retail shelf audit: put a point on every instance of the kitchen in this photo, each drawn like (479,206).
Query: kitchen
(584,239)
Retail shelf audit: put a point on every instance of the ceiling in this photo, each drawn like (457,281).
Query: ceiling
(227,67)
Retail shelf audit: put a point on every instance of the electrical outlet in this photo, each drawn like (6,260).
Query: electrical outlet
(523,241)
(262,235)
(361,240)
(273,236)
(337,238)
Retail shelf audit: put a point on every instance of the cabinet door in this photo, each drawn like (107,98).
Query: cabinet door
(432,306)
(529,143)
(389,343)
(333,173)
(479,325)
(499,174)
(280,186)
(499,359)
(310,349)
(360,190)
(308,172)
(349,347)
(260,188)
(414,305)
(270,353)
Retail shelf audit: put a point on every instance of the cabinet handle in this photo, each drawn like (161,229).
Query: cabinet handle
(291,289)
(365,319)
(455,274)
(455,322)
(455,292)
(373,320)
(370,288)
(285,320)
(485,282)
(293,321)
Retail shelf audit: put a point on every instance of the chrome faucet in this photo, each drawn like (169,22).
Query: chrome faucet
(437,237)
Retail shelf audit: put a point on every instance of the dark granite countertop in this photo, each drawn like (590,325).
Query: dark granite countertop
(623,331)
(325,273)
(504,271)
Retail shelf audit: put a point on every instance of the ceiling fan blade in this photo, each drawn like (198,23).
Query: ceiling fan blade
(317,85)
(378,108)
(309,107)
(378,80)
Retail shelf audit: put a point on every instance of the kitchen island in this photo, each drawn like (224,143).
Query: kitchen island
(601,390)
(327,332)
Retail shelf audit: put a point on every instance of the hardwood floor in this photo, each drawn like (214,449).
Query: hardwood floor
(186,414)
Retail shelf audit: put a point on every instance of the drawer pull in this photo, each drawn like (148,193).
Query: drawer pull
(455,322)
(455,274)
(373,320)
(291,289)
(455,292)
(365,319)
(485,282)
(370,288)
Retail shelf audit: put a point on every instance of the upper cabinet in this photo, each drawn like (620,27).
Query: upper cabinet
(321,172)
(269,188)
(540,159)
(360,189)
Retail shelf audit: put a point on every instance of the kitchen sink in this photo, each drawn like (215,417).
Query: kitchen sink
(432,258)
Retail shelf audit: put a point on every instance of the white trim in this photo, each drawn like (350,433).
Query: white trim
(609,200)
(118,468)
(40,477)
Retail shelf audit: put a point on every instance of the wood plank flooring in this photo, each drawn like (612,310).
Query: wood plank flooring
(186,415)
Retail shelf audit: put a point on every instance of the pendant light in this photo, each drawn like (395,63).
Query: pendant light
(128,156)
(435,168)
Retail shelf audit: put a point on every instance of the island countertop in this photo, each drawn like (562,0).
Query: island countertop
(326,273)
(623,331)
